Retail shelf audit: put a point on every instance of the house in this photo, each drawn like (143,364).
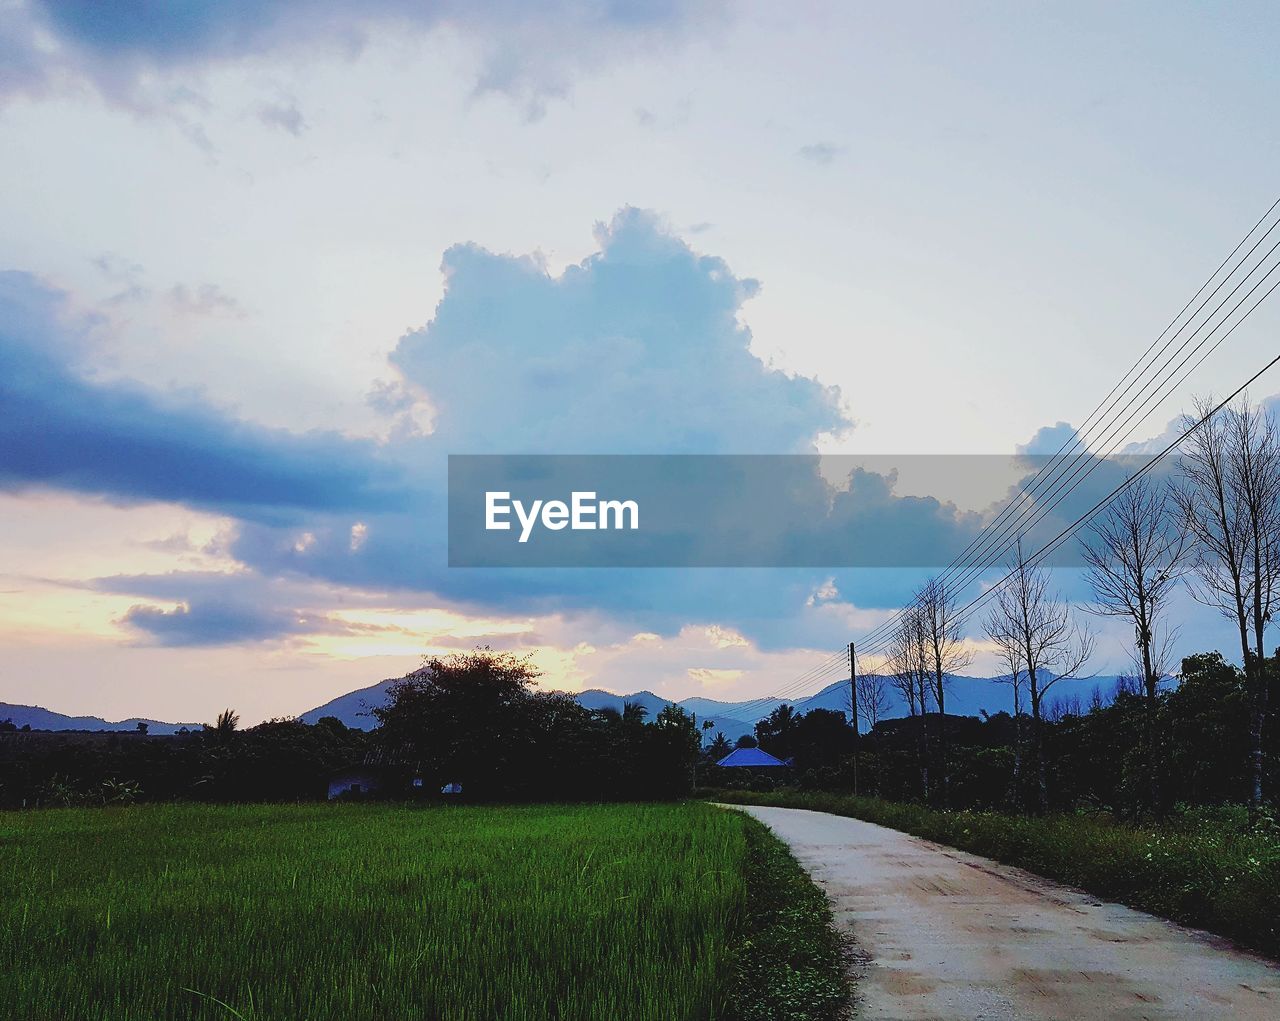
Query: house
(752,758)
(383,773)
(357,782)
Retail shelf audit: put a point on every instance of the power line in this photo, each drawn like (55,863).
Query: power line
(1080,435)
(877,637)
(826,668)
(995,540)
(1070,530)
(1088,462)
(973,572)
(1021,505)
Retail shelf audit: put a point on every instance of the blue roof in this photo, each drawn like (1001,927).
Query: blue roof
(749,757)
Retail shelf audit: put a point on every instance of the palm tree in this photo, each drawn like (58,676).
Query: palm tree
(719,747)
(225,725)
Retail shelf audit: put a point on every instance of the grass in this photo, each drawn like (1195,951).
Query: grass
(1210,869)
(790,962)
(354,912)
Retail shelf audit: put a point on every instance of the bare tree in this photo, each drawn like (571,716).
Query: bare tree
(1125,685)
(1230,499)
(873,698)
(909,661)
(946,654)
(1135,552)
(1010,652)
(1052,643)
(873,703)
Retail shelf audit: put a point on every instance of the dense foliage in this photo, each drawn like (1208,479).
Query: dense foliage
(1211,868)
(477,719)
(1098,756)
(474,719)
(281,760)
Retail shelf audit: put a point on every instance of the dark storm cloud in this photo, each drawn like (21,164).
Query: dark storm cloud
(61,429)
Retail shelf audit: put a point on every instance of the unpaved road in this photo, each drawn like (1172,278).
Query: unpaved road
(950,935)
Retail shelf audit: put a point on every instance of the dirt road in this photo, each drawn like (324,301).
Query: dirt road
(950,935)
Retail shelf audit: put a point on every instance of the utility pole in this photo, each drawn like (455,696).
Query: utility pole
(853,705)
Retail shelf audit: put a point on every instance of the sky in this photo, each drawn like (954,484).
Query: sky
(264,266)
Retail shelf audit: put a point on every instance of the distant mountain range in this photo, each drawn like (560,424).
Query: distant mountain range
(38,718)
(966,696)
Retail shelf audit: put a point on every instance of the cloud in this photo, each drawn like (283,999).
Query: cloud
(821,153)
(530,51)
(131,277)
(1048,440)
(205,300)
(285,116)
(22,66)
(59,428)
(639,348)
(206,608)
(213,623)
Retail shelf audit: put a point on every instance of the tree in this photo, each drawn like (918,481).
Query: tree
(1209,711)
(945,655)
(225,725)
(141,728)
(630,720)
(908,656)
(776,732)
(1230,499)
(466,717)
(746,741)
(678,744)
(634,714)
(1010,651)
(821,738)
(718,748)
(873,704)
(1135,552)
(1051,642)
(873,698)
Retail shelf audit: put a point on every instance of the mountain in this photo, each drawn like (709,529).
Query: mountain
(966,696)
(38,718)
(353,707)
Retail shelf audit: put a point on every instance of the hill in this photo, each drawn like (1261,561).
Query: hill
(966,696)
(353,707)
(38,718)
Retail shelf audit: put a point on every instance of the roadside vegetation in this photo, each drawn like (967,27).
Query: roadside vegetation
(349,912)
(1211,868)
(790,963)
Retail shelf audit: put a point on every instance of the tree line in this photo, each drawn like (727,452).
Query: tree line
(1095,750)
(1213,526)
(474,718)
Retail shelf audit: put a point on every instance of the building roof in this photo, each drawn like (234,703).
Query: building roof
(749,757)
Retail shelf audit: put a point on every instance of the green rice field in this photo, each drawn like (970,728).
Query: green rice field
(352,912)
